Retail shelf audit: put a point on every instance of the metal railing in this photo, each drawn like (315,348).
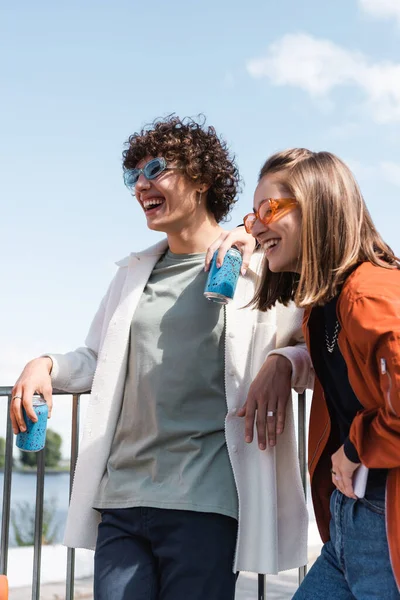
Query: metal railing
(302,454)
(40,472)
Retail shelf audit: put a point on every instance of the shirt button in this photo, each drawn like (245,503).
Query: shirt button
(231,372)
(234,448)
(231,334)
(233,411)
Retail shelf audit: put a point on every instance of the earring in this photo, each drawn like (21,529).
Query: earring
(201,194)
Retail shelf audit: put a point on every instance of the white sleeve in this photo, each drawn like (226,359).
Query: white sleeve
(290,344)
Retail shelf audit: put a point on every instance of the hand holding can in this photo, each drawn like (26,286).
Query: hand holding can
(221,283)
(34,438)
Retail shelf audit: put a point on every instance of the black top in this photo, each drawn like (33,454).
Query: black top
(331,370)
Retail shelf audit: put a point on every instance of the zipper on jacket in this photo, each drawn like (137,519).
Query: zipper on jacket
(387,388)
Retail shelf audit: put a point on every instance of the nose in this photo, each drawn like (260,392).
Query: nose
(258,228)
(142,184)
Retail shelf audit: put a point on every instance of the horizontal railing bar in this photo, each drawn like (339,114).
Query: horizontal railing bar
(7,390)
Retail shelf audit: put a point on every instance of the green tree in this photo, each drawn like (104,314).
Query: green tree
(52,451)
(23,523)
(2,452)
(29,459)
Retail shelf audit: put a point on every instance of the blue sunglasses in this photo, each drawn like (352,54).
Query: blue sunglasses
(151,170)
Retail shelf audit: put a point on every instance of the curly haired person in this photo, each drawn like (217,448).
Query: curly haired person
(166,489)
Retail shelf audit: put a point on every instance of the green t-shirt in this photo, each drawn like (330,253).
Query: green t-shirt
(169,447)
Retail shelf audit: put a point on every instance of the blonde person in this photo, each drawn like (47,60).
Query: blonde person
(166,489)
(323,251)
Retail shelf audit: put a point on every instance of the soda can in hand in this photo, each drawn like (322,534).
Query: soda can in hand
(34,438)
(221,283)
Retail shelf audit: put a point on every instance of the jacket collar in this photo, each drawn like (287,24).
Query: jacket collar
(156,250)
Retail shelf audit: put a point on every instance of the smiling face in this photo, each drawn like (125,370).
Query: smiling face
(171,202)
(281,238)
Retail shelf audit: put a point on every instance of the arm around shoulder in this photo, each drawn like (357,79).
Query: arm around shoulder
(290,344)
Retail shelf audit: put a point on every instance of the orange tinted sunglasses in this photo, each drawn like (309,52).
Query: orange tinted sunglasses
(268,211)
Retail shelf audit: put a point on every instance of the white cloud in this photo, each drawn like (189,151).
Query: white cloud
(319,66)
(362,171)
(381,8)
(228,80)
(391,172)
(343,130)
(387,171)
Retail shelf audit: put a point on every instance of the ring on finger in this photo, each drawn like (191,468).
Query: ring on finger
(271,413)
(14,397)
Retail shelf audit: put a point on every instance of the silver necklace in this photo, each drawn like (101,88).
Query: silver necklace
(330,345)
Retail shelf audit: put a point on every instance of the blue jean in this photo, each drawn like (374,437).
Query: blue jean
(162,554)
(355,563)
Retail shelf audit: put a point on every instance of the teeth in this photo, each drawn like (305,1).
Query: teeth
(152,202)
(270,243)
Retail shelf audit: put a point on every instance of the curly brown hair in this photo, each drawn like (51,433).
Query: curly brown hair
(202,155)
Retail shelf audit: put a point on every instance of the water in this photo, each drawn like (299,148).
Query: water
(56,489)
(56,492)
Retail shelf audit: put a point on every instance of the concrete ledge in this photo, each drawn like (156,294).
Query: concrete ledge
(53,573)
(54,564)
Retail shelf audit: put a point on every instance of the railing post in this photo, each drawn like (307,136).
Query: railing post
(5,520)
(69,593)
(262,586)
(302,449)
(37,549)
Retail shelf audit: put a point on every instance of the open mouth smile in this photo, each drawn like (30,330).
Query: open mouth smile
(270,245)
(152,205)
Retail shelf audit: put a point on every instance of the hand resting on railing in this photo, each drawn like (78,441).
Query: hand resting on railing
(35,378)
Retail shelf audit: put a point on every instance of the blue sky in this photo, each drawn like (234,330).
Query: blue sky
(78,78)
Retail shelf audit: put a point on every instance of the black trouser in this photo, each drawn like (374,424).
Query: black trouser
(163,554)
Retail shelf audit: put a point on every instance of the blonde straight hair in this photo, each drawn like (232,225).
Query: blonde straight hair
(337,234)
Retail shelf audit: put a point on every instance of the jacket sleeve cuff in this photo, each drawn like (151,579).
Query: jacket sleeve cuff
(60,375)
(302,372)
(351,451)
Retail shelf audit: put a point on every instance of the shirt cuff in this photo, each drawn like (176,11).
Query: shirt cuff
(351,451)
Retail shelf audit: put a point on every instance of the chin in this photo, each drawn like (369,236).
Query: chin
(154,226)
(276,267)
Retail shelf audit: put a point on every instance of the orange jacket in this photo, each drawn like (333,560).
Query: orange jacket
(368,310)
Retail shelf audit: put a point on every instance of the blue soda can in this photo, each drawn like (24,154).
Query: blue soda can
(221,283)
(34,438)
